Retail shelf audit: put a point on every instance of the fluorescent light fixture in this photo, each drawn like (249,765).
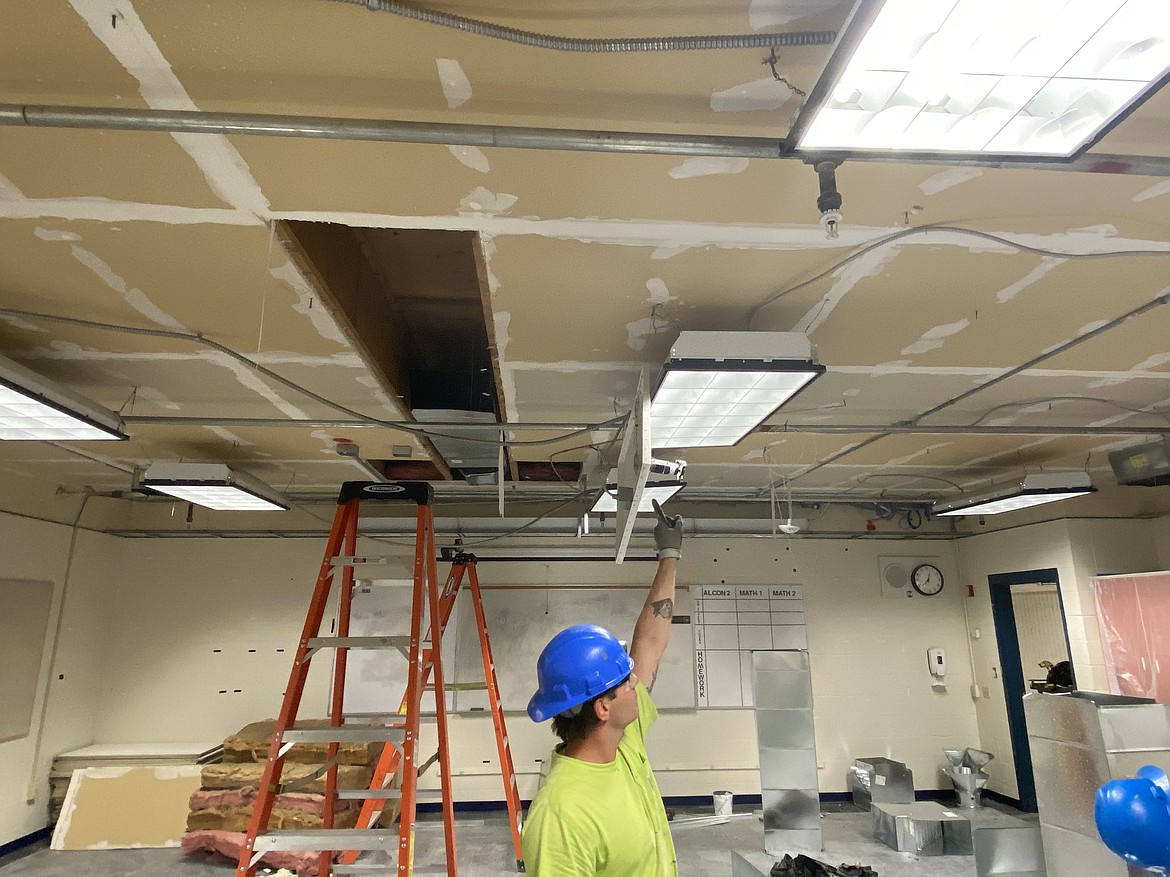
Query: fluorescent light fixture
(1033,490)
(717,387)
(1035,78)
(35,409)
(654,490)
(212,485)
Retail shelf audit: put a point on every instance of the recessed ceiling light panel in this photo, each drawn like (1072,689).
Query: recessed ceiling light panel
(33,408)
(214,486)
(654,490)
(1032,491)
(1039,78)
(719,386)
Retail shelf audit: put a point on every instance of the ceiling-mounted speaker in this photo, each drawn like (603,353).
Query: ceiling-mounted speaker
(1143,465)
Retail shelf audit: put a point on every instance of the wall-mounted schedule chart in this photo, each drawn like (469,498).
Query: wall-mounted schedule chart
(729,623)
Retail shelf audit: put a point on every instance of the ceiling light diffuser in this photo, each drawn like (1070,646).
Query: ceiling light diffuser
(716,387)
(1033,490)
(35,409)
(214,486)
(1040,78)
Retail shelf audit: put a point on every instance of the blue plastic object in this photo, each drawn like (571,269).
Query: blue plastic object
(578,664)
(1133,818)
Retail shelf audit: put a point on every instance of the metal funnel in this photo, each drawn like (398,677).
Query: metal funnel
(976,758)
(955,756)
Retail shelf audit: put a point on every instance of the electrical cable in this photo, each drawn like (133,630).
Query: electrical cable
(523,527)
(482,28)
(951,229)
(199,338)
(1042,400)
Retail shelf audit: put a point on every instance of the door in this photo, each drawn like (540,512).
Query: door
(1043,632)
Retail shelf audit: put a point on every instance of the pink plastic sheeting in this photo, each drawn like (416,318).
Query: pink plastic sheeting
(1134,612)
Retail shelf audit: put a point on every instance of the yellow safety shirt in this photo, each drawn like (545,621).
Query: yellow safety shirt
(602,819)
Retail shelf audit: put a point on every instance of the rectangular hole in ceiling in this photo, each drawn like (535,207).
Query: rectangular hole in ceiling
(414,303)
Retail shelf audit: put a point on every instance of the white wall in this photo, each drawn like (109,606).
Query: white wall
(1039,628)
(1160,536)
(178,600)
(1077,549)
(32,549)
(1039,546)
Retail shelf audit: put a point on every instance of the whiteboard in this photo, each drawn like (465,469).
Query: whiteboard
(375,679)
(521,621)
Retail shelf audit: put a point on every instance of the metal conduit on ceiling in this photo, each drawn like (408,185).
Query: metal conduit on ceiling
(566,139)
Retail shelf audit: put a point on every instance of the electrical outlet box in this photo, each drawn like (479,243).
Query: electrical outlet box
(986,691)
(976,692)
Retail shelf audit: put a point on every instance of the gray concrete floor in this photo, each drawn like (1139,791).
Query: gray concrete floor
(484,847)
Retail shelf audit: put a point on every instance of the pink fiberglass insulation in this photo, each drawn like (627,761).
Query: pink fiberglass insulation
(229,843)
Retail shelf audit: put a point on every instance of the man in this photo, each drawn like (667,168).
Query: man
(600,811)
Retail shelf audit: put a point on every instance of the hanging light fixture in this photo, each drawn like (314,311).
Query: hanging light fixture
(1031,491)
(716,387)
(33,408)
(214,486)
(665,480)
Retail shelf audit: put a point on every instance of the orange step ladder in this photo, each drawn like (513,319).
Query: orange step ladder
(463,565)
(423,649)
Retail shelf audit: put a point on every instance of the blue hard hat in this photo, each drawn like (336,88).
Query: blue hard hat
(1133,818)
(578,664)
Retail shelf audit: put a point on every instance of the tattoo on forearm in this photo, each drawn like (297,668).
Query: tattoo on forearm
(653,679)
(663,608)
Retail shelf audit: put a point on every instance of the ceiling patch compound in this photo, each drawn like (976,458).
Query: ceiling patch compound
(946,179)
(482,201)
(759,94)
(471,156)
(1154,191)
(226,172)
(869,265)
(935,337)
(1047,263)
(708,166)
(456,85)
(322,321)
(134,297)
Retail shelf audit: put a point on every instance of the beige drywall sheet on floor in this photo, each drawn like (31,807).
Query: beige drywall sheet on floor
(109,808)
(24,618)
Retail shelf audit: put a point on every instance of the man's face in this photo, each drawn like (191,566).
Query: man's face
(623,709)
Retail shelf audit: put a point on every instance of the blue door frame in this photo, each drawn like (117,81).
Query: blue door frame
(1012,670)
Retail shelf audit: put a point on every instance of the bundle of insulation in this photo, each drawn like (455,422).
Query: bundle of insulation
(221,809)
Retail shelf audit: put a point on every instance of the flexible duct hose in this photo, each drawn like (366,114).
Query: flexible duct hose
(599,46)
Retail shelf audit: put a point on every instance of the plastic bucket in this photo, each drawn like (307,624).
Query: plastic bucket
(722,801)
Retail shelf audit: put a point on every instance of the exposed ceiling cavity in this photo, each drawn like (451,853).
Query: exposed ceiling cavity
(390,248)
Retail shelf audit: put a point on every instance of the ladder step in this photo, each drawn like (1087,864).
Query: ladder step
(327,839)
(347,734)
(359,642)
(387,794)
(361,563)
(461,686)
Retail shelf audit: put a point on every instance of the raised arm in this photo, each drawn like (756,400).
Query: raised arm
(652,632)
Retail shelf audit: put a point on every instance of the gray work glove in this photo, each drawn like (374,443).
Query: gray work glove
(668,533)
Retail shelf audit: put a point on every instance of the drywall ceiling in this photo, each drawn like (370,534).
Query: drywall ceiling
(586,265)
